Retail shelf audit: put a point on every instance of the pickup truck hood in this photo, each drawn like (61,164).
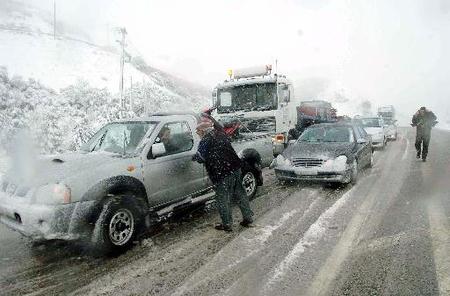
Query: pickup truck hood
(318,150)
(56,168)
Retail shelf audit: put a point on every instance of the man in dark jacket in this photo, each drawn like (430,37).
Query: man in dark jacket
(423,120)
(224,170)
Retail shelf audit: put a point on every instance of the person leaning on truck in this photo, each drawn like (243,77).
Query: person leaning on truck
(224,170)
(423,120)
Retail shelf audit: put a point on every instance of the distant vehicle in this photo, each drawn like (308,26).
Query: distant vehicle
(390,126)
(386,112)
(390,123)
(127,175)
(329,152)
(375,127)
(259,102)
(313,112)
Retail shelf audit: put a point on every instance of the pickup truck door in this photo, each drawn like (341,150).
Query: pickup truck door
(173,176)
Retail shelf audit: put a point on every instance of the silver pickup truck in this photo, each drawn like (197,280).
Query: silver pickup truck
(130,174)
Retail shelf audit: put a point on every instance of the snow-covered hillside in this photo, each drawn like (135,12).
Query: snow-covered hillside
(64,89)
(28,49)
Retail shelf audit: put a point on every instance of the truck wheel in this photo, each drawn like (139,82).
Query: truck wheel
(117,225)
(249,181)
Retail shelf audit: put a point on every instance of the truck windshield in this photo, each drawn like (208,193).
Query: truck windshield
(253,97)
(371,122)
(122,138)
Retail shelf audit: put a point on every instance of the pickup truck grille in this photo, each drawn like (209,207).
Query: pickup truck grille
(307,162)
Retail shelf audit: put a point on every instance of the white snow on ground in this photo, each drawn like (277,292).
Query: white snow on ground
(250,243)
(444,126)
(3,162)
(59,63)
(315,232)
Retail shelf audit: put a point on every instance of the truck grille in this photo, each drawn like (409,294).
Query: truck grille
(307,162)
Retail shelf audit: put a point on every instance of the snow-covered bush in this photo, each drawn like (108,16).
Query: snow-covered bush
(65,120)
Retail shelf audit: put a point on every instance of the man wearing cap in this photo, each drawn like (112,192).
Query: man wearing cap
(224,170)
(423,120)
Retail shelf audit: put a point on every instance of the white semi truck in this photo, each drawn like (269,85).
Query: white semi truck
(255,101)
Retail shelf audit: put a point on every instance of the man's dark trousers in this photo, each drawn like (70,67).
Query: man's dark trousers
(230,189)
(422,141)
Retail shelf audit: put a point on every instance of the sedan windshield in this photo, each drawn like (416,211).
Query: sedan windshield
(123,138)
(341,134)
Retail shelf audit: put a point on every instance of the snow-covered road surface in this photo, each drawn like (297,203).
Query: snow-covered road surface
(384,236)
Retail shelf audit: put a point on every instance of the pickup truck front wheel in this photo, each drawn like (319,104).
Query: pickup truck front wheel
(117,225)
(249,181)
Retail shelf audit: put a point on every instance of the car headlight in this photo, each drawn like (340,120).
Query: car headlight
(340,163)
(52,194)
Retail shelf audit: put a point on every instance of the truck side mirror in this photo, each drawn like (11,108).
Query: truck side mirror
(158,149)
(287,95)
(361,141)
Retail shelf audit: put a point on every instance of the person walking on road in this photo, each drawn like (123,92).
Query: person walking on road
(224,170)
(423,120)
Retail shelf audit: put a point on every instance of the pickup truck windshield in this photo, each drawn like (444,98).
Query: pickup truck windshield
(339,134)
(253,97)
(371,122)
(122,138)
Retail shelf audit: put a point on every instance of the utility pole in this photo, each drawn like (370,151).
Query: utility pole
(131,93)
(123,33)
(144,100)
(54,19)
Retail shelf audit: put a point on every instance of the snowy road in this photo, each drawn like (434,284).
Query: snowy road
(387,235)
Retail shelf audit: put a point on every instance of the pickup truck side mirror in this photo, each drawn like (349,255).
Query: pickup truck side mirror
(158,149)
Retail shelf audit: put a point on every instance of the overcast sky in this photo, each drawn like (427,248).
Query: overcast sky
(385,51)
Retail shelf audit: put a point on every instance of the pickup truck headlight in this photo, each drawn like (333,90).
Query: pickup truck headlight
(52,194)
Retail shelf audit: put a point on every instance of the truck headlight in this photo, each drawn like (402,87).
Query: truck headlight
(340,163)
(52,194)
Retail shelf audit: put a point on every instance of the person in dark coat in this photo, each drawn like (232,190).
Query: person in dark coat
(224,170)
(424,120)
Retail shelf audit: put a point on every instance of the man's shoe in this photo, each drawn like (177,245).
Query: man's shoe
(246,223)
(226,228)
(418,155)
(424,159)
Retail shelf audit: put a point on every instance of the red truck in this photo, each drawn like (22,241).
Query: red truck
(312,112)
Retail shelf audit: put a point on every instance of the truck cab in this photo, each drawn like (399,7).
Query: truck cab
(261,103)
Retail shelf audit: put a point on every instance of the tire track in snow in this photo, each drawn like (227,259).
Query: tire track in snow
(315,232)
(246,246)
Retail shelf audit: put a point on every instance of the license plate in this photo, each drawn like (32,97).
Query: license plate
(307,172)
